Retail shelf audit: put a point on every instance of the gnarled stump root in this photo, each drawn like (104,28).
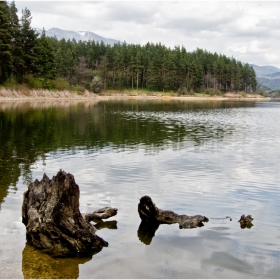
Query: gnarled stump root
(148,212)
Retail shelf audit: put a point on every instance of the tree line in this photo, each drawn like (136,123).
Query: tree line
(47,62)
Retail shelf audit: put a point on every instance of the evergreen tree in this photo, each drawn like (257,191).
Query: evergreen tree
(253,79)
(238,81)
(249,78)
(5,43)
(29,45)
(198,74)
(232,72)
(17,52)
(69,65)
(45,58)
(103,70)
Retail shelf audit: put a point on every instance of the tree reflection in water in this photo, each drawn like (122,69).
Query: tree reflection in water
(37,264)
(28,133)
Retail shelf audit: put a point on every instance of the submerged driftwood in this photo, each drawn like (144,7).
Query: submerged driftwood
(149,213)
(53,221)
(246,221)
(152,217)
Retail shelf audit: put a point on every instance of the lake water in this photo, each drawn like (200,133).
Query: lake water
(214,158)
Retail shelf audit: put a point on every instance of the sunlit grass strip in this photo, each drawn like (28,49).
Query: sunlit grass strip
(42,93)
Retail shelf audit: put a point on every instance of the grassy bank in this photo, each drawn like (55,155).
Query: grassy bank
(21,92)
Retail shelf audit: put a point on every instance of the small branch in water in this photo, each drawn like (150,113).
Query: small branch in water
(227,217)
(103,213)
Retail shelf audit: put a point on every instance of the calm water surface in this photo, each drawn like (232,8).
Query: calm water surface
(214,158)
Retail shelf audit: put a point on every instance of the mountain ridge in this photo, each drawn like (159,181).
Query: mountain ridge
(263,71)
(77,35)
(268,76)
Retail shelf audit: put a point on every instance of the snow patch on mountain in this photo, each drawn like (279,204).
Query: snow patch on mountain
(77,35)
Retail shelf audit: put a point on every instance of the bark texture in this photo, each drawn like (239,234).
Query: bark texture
(53,221)
(149,213)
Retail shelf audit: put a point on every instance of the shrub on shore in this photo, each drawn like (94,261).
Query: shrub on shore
(212,92)
(185,91)
(33,82)
(96,84)
(59,84)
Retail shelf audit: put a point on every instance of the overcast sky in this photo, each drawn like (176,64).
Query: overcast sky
(246,30)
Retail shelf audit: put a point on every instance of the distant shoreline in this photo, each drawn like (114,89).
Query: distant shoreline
(45,95)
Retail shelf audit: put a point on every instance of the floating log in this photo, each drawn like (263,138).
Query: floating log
(149,213)
(53,221)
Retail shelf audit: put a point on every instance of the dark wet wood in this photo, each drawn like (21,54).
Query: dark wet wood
(246,221)
(103,213)
(149,213)
(53,221)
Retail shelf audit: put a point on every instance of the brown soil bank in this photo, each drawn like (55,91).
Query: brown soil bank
(41,94)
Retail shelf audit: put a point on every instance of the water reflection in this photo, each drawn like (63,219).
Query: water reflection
(146,232)
(226,161)
(107,224)
(28,132)
(37,264)
(244,226)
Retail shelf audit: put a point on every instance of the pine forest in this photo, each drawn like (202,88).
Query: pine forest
(43,62)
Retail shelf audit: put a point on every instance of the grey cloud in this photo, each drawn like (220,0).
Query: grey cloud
(73,14)
(131,12)
(269,23)
(194,25)
(266,44)
(34,6)
(246,34)
(68,8)
(206,19)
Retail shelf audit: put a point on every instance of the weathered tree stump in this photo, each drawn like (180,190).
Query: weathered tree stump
(149,213)
(53,221)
